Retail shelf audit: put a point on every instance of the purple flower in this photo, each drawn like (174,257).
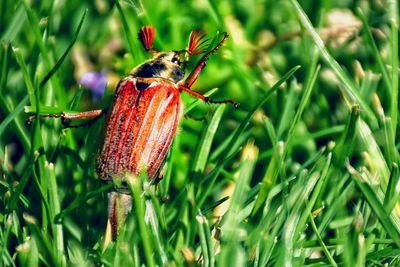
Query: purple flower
(96,82)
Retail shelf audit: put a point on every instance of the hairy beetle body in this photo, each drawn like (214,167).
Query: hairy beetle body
(143,119)
(140,128)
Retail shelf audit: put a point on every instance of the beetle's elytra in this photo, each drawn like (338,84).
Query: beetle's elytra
(140,128)
(144,117)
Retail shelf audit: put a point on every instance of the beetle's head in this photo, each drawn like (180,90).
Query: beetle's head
(165,65)
(168,65)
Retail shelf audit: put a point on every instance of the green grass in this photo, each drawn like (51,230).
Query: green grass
(304,173)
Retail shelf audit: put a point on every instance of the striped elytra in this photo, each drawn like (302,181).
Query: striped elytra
(140,129)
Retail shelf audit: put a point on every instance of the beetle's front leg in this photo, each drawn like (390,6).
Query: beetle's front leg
(207,99)
(202,63)
(67,118)
(196,72)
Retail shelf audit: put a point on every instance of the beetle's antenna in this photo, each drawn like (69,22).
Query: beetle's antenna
(218,46)
(197,43)
(195,73)
(146,37)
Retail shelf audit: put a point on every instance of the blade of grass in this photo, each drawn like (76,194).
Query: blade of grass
(394,43)
(210,180)
(231,228)
(20,107)
(324,133)
(40,173)
(220,149)
(350,89)
(15,26)
(390,150)
(292,210)
(270,241)
(7,106)
(5,234)
(392,192)
(27,253)
(133,47)
(326,161)
(44,51)
(15,196)
(206,243)
(11,116)
(78,202)
(375,51)
(378,163)
(239,131)
(377,207)
(26,75)
(204,145)
(44,110)
(321,241)
(340,195)
(139,207)
(346,142)
(289,109)
(245,122)
(54,204)
(75,101)
(54,69)
(152,218)
(309,85)
(269,127)
(42,240)
(231,223)
(275,165)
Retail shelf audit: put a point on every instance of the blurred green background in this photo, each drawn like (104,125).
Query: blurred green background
(304,173)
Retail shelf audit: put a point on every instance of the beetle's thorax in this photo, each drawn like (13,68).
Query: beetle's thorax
(164,65)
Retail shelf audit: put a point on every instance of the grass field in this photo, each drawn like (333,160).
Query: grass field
(304,173)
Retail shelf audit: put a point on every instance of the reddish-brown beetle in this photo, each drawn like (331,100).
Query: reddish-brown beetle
(144,117)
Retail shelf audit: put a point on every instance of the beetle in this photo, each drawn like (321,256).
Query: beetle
(144,117)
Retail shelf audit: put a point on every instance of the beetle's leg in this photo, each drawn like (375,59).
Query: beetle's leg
(157,180)
(206,99)
(92,116)
(67,118)
(195,73)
